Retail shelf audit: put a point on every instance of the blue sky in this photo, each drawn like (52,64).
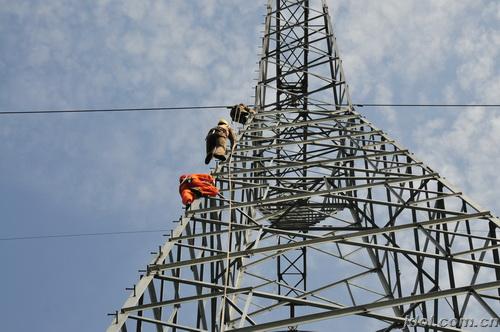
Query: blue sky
(86,173)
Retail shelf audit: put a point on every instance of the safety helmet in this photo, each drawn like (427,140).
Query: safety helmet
(223,122)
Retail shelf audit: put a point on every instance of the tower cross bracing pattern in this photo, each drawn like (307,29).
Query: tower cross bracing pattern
(326,216)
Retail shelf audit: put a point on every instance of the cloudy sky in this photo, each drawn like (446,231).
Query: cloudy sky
(89,173)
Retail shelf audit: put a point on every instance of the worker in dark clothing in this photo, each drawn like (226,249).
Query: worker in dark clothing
(240,113)
(193,186)
(217,139)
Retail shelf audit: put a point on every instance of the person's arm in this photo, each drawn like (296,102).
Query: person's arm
(206,178)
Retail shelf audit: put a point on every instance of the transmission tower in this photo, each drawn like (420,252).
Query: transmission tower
(322,217)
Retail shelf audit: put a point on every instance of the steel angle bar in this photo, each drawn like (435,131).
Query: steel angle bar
(424,191)
(313,101)
(344,257)
(203,284)
(367,290)
(309,8)
(406,206)
(234,229)
(491,297)
(244,185)
(290,5)
(255,292)
(432,199)
(225,223)
(282,188)
(319,61)
(337,305)
(271,115)
(260,260)
(312,293)
(311,178)
(300,96)
(449,258)
(269,201)
(143,284)
(296,70)
(334,305)
(476,250)
(257,227)
(290,46)
(282,125)
(485,306)
(323,239)
(334,146)
(462,234)
(186,299)
(350,169)
(240,311)
(348,127)
(338,147)
(288,143)
(371,306)
(324,131)
(166,324)
(326,162)
(299,24)
(184,245)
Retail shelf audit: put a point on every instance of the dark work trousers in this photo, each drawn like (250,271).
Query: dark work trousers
(216,147)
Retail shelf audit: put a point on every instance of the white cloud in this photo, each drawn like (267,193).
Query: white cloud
(466,151)
(65,54)
(430,51)
(122,54)
(159,53)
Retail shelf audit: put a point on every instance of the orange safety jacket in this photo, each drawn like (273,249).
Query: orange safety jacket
(193,186)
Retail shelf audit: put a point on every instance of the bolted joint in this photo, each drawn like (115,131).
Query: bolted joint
(115,314)
(131,289)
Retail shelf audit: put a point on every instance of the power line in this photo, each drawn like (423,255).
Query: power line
(58,236)
(427,105)
(35,237)
(178,108)
(100,110)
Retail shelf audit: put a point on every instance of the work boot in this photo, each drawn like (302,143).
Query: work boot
(221,157)
(220,153)
(208,158)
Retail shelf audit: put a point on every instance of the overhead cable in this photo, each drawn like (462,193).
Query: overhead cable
(54,236)
(213,107)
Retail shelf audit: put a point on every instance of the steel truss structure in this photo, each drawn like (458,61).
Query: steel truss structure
(326,217)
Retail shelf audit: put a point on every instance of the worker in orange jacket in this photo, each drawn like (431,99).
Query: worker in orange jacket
(193,186)
(216,141)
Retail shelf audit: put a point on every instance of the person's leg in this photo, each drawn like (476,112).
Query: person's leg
(244,117)
(187,197)
(210,148)
(208,189)
(220,148)
(211,190)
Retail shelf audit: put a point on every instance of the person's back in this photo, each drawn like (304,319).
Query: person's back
(240,113)
(193,186)
(216,141)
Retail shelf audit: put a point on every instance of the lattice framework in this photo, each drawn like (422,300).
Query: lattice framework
(329,216)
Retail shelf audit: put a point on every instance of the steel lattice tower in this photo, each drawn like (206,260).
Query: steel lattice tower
(325,215)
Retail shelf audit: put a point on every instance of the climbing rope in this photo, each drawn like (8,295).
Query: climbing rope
(229,244)
(230,224)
